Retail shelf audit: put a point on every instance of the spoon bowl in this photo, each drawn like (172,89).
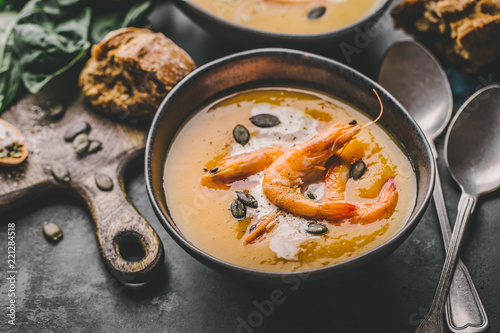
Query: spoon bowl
(472,150)
(412,75)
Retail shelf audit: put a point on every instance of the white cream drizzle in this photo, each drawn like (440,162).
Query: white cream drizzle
(295,128)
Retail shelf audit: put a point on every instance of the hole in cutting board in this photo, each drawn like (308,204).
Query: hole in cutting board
(129,246)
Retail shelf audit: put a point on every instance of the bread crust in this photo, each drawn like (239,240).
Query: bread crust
(131,71)
(462,32)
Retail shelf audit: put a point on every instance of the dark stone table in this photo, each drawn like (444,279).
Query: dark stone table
(65,287)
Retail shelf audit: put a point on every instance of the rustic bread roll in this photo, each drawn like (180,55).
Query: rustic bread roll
(131,71)
(464,32)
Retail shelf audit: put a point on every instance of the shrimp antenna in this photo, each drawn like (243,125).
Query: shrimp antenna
(367,124)
(371,122)
(379,115)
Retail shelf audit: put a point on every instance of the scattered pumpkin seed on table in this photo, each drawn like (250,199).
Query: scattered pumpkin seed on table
(56,111)
(94,146)
(81,143)
(103,181)
(247,199)
(75,129)
(357,169)
(60,173)
(52,231)
(238,209)
(241,134)
(265,120)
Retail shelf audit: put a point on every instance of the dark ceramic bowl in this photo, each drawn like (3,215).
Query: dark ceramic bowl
(281,67)
(248,37)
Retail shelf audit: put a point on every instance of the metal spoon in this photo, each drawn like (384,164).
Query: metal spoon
(412,75)
(473,158)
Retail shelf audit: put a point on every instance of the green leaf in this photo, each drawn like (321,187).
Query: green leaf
(105,21)
(9,68)
(50,36)
(136,13)
(102,24)
(12,5)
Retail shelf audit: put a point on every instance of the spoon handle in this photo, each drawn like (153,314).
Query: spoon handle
(433,322)
(464,311)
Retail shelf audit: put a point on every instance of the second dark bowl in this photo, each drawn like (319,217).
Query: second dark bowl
(281,67)
(327,42)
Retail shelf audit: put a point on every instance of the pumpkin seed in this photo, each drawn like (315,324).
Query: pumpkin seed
(238,209)
(103,181)
(52,231)
(316,13)
(81,143)
(247,199)
(311,196)
(265,120)
(316,228)
(241,134)
(94,146)
(57,111)
(60,173)
(75,129)
(357,169)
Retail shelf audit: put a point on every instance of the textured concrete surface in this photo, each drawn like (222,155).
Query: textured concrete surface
(65,287)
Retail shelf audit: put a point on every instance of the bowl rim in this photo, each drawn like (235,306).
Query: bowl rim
(381,7)
(207,258)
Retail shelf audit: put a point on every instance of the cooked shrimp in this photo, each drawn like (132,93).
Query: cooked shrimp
(238,167)
(335,184)
(382,207)
(285,176)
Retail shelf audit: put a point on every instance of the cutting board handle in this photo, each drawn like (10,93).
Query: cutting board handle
(130,248)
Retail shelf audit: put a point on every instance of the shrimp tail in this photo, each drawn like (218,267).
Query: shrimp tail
(336,210)
(382,207)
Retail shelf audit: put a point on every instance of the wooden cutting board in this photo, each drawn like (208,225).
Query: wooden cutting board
(123,235)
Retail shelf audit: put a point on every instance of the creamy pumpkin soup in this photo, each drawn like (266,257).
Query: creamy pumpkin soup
(290,16)
(285,179)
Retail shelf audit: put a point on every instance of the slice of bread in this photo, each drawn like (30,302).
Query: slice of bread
(465,33)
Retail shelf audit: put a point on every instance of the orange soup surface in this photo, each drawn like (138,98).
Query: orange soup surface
(290,17)
(383,196)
